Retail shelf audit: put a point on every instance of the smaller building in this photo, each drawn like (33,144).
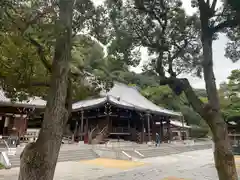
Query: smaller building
(14,116)
(234,130)
(179,130)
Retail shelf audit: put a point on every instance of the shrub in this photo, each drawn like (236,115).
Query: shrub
(2,166)
(198,132)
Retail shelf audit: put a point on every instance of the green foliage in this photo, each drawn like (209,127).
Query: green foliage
(164,29)
(232,48)
(27,42)
(2,166)
(229,96)
(234,82)
(20,68)
(164,97)
(196,132)
(235,4)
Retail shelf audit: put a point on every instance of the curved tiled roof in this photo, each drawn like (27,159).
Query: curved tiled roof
(32,102)
(120,95)
(128,97)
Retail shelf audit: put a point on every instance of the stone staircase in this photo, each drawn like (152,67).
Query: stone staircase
(15,160)
(78,153)
(64,155)
(165,150)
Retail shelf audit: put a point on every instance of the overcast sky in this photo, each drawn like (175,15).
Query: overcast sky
(222,65)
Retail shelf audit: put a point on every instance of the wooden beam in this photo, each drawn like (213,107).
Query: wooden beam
(148,122)
(82,115)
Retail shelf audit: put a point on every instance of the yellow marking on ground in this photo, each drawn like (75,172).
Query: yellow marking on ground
(237,157)
(173,178)
(113,163)
(237,161)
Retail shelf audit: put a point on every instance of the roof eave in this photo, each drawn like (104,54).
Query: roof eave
(24,105)
(89,107)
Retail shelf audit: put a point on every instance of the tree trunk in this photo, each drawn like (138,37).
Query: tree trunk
(38,160)
(224,159)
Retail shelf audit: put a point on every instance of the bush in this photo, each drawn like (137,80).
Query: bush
(2,166)
(198,132)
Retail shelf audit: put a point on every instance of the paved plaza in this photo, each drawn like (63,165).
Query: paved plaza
(196,165)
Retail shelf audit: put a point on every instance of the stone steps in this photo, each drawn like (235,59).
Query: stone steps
(168,150)
(70,155)
(133,154)
(76,153)
(3,149)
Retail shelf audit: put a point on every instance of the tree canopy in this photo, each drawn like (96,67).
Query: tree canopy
(100,43)
(174,48)
(27,46)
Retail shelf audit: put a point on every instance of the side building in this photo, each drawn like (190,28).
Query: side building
(14,116)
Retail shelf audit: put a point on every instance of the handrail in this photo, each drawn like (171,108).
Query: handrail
(5,160)
(104,129)
(126,154)
(3,142)
(91,133)
(6,144)
(140,154)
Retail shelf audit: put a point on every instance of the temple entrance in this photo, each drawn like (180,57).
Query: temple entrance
(120,126)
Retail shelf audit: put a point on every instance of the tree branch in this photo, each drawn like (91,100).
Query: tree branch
(184,85)
(213,6)
(205,7)
(39,15)
(40,51)
(171,58)
(180,49)
(40,84)
(208,2)
(27,23)
(151,12)
(40,48)
(226,24)
(170,65)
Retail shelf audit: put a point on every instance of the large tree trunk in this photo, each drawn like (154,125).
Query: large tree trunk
(211,113)
(38,160)
(224,159)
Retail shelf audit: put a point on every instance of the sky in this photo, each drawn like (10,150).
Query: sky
(222,65)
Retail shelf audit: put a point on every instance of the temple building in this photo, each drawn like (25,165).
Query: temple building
(124,113)
(121,113)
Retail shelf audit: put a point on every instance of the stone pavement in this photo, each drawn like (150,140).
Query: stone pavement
(68,171)
(197,165)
